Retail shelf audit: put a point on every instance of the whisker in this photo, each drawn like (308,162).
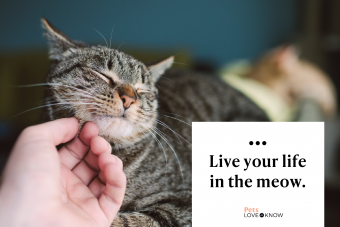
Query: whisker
(94,112)
(120,45)
(178,120)
(159,144)
(171,147)
(70,99)
(163,77)
(54,84)
(54,105)
(103,37)
(148,118)
(173,150)
(162,133)
(168,127)
(159,87)
(149,110)
(178,115)
(182,64)
(111,34)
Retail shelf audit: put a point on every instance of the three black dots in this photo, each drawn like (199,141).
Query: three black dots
(257,143)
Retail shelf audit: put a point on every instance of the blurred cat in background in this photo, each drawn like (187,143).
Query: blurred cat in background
(294,79)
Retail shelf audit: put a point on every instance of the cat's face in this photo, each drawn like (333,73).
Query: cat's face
(105,86)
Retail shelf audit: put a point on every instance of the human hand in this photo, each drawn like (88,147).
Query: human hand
(44,187)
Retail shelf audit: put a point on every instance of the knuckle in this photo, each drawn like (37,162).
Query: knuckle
(109,147)
(30,130)
(118,161)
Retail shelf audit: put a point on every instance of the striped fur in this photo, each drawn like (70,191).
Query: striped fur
(153,136)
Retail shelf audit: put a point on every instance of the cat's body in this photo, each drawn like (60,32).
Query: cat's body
(152,136)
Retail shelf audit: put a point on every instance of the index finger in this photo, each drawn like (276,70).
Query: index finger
(56,132)
(72,153)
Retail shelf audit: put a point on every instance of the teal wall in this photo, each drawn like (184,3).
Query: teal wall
(214,30)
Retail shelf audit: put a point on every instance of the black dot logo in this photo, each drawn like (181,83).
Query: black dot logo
(257,143)
(261,215)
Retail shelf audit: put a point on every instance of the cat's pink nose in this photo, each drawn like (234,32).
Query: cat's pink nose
(127,101)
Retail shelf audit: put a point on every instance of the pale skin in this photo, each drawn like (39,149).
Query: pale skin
(82,184)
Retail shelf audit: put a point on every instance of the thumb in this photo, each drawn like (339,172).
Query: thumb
(34,158)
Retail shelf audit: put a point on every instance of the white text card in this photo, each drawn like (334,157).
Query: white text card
(258,174)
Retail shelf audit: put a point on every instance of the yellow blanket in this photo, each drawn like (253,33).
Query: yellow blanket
(265,98)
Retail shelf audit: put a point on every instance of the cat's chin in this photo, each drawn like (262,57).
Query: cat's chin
(117,130)
(113,126)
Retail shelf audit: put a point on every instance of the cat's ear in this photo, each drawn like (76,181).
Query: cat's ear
(58,42)
(286,56)
(158,69)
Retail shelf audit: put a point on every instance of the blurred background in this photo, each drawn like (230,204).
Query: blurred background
(224,38)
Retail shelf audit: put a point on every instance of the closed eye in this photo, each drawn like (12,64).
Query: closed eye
(143,91)
(142,88)
(104,77)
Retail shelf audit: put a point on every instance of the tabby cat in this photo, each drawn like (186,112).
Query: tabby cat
(146,120)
